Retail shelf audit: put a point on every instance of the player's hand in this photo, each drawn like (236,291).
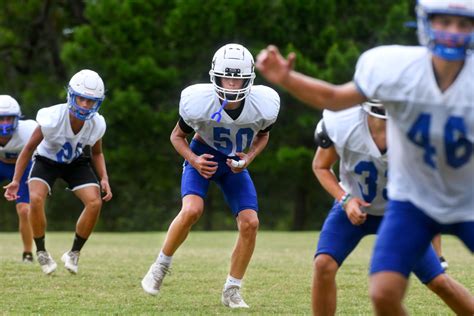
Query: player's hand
(241,164)
(273,66)
(353,211)
(205,166)
(105,187)
(11,191)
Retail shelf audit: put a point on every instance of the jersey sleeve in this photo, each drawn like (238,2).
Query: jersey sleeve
(49,119)
(339,125)
(269,102)
(99,127)
(194,103)
(381,72)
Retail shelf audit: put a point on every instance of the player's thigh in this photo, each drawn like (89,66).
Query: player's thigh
(79,174)
(339,236)
(89,194)
(239,191)
(428,267)
(465,232)
(192,183)
(404,235)
(45,171)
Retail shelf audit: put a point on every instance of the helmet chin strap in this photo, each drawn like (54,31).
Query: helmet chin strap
(217,116)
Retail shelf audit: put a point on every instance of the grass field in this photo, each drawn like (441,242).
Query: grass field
(278,280)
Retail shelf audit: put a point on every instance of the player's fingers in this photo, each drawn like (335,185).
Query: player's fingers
(207,156)
(291,60)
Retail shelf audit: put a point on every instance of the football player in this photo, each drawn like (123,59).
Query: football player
(429,99)
(358,142)
(63,131)
(231,120)
(14,133)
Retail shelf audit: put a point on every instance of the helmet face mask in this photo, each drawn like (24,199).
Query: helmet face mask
(232,61)
(375,108)
(85,84)
(9,107)
(447,45)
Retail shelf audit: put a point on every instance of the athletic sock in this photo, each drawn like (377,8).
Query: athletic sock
(164,259)
(231,281)
(39,242)
(78,243)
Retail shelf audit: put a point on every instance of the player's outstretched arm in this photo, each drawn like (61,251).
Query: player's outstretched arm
(98,161)
(314,92)
(24,158)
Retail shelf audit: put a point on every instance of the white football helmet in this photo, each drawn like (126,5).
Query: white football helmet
(375,108)
(449,46)
(9,107)
(232,61)
(87,84)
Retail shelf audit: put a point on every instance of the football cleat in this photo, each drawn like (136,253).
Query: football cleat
(71,260)
(231,298)
(152,281)
(48,265)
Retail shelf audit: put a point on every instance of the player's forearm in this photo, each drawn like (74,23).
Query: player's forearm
(98,161)
(259,143)
(321,94)
(329,182)
(181,145)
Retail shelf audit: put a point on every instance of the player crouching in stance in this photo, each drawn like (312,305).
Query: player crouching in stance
(358,141)
(14,133)
(228,116)
(63,131)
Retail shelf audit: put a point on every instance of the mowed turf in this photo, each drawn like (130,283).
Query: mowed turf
(278,280)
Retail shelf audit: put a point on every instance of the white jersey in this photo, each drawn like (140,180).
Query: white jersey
(199,102)
(20,137)
(362,167)
(60,143)
(430,133)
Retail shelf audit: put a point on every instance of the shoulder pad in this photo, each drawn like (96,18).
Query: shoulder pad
(321,136)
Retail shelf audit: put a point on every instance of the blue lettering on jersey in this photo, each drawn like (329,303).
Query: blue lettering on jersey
(369,188)
(457,148)
(223,139)
(66,152)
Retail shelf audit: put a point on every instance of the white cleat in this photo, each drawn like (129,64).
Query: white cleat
(231,298)
(152,281)
(48,265)
(71,260)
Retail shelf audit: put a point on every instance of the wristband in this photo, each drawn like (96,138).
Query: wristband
(345,199)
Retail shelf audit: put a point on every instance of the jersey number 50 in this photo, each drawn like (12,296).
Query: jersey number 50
(457,148)
(223,139)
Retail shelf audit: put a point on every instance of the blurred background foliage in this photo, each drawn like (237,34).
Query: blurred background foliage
(147,51)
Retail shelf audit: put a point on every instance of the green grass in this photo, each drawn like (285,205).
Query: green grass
(278,280)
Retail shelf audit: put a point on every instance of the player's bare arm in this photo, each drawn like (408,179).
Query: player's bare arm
(259,143)
(23,159)
(316,93)
(202,163)
(98,161)
(323,162)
